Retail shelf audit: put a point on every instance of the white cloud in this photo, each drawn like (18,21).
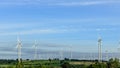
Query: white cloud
(37,31)
(54,31)
(12,26)
(8,52)
(57,3)
(65,26)
(86,3)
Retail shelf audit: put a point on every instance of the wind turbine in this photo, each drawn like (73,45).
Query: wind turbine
(61,54)
(119,49)
(71,52)
(106,55)
(19,46)
(99,49)
(35,49)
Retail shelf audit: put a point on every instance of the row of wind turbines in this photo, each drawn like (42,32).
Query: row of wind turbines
(19,46)
(100,50)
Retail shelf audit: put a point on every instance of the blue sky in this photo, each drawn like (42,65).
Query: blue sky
(60,24)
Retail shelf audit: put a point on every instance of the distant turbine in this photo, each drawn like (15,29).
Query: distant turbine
(100,50)
(61,54)
(19,46)
(39,56)
(35,48)
(119,46)
(106,55)
(119,49)
(91,55)
(113,54)
(71,52)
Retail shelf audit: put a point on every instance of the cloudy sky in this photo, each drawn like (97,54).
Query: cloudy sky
(59,24)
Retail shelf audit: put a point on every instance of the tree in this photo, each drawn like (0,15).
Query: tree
(98,65)
(19,64)
(65,65)
(113,63)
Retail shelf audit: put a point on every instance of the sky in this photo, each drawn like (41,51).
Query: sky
(59,24)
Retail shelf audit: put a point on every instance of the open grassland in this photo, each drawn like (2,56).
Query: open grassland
(42,63)
(112,63)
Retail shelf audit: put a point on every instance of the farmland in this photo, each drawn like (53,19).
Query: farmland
(53,63)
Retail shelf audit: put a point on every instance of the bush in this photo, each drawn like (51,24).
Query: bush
(98,65)
(66,65)
(113,63)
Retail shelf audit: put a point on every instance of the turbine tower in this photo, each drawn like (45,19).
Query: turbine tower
(106,55)
(35,48)
(71,52)
(61,54)
(119,49)
(100,50)
(19,46)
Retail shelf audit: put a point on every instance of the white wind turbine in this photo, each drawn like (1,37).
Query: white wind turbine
(107,55)
(100,49)
(35,50)
(119,49)
(61,54)
(19,46)
(71,56)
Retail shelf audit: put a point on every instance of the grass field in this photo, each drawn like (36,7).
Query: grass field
(46,63)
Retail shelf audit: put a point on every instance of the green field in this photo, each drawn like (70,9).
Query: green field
(51,63)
